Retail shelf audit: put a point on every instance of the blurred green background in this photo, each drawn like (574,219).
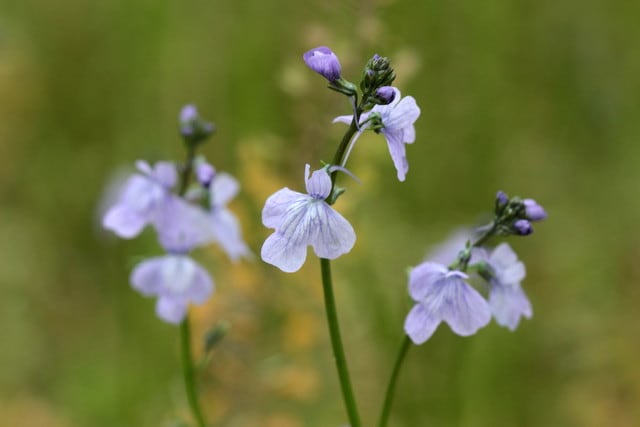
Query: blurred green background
(537,98)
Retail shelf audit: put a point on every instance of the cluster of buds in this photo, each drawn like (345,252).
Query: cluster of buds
(193,129)
(377,74)
(515,215)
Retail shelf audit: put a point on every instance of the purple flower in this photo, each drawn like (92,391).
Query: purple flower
(386,94)
(507,300)
(176,280)
(522,227)
(443,295)
(533,210)
(323,61)
(226,228)
(301,220)
(141,198)
(397,119)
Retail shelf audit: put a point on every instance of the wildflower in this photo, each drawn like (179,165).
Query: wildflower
(176,280)
(301,220)
(443,295)
(507,300)
(323,61)
(141,198)
(226,228)
(395,121)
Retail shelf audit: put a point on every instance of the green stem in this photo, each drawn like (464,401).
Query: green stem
(337,158)
(185,328)
(188,370)
(336,344)
(391,387)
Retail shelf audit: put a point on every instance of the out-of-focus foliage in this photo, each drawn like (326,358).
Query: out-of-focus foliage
(536,98)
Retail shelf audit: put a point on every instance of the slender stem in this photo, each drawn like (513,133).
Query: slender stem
(188,370)
(336,344)
(487,234)
(185,328)
(391,387)
(185,177)
(337,158)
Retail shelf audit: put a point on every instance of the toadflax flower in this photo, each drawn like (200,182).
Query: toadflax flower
(140,199)
(301,220)
(323,61)
(507,300)
(443,295)
(395,121)
(175,278)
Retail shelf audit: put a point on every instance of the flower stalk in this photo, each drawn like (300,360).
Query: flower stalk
(336,344)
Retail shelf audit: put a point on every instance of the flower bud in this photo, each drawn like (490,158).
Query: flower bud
(533,210)
(192,128)
(522,227)
(377,73)
(323,61)
(385,94)
(205,174)
(501,199)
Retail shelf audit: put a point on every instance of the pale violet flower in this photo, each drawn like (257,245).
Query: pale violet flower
(301,220)
(226,228)
(397,120)
(177,280)
(141,197)
(507,300)
(443,295)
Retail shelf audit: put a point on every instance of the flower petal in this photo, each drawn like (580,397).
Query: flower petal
(344,119)
(146,276)
(284,252)
(420,324)
(228,234)
(279,203)
(403,114)
(165,173)
(223,188)
(171,310)
(397,151)
(508,304)
(423,277)
(124,221)
(505,263)
(182,226)
(333,235)
(462,307)
(318,184)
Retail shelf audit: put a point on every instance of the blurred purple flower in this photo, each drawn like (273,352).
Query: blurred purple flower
(140,199)
(443,295)
(226,228)
(397,120)
(301,220)
(176,280)
(507,300)
(323,61)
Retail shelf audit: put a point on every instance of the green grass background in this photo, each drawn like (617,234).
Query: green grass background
(537,98)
